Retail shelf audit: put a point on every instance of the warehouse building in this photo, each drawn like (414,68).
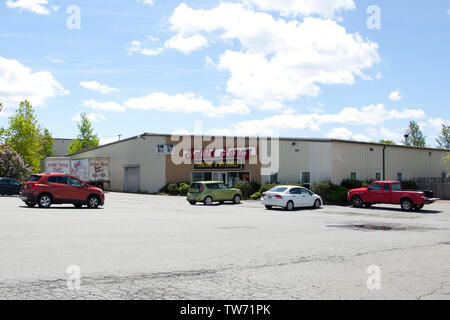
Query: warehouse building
(147,162)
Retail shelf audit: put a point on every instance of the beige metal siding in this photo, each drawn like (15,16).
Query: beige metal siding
(140,151)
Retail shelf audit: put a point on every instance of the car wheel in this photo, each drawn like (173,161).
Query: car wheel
(208,201)
(93,202)
(193,203)
(418,207)
(30,204)
(357,202)
(237,199)
(317,204)
(407,205)
(77,205)
(269,207)
(44,201)
(290,206)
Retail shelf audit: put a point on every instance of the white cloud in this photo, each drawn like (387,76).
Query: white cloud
(436,124)
(36,6)
(448,12)
(148,2)
(59,61)
(280,60)
(104,141)
(346,134)
(395,96)
(373,115)
(325,8)
(186,103)
(95,86)
(104,106)
(186,44)
(18,83)
(137,46)
(93,117)
(382,133)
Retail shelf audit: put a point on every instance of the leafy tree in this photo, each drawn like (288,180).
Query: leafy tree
(12,165)
(443,140)
(416,137)
(446,161)
(1,107)
(23,135)
(46,143)
(387,142)
(86,138)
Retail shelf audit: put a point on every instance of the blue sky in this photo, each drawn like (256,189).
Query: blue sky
(292,67)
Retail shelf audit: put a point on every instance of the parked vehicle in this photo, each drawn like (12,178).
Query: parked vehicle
(390,192)
(9,186)
(47,189)
(290,197)
(212,191)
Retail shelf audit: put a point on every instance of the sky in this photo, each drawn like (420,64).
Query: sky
(346,69)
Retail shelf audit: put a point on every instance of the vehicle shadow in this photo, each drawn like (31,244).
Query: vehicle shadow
(423,211)
(278,209)
(62,208)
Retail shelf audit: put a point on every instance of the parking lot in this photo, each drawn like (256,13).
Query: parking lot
(155,247)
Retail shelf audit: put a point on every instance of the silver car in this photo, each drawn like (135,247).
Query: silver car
(290,197)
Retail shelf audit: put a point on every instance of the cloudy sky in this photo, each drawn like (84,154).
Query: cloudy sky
(346,69)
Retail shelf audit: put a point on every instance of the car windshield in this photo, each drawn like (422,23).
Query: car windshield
(33,178)
(278,189)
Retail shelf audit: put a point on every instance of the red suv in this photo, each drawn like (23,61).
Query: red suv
(47,189)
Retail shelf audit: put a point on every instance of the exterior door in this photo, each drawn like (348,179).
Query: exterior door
(296,197)
(375,193)
(132,179)
(59,187)
(307,199)
(76,190)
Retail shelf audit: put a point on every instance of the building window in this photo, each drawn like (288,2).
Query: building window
(378,176)
(273,178)
(306,178)
(354,175)
(400,176)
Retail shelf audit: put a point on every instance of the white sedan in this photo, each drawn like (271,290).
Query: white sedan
(290,197)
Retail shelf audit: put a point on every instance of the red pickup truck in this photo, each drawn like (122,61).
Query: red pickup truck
(390,192)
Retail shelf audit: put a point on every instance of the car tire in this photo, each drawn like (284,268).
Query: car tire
(407,205)
(77,205)
(208,201)
(237,199)
(269,207)
(30,204)
(44,201)
(290,206)
(93,202)
(317,204)
(193,203)
(357,202)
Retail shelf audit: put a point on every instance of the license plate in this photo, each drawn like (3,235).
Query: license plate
(270,197)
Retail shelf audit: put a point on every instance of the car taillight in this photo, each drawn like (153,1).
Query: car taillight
(201,188)
(278,196)
(263,195)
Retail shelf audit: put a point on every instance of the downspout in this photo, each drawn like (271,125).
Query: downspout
(384,163)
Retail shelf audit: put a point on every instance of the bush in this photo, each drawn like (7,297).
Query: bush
(323,189)
(256,196)
(172,189)
(183,189)
(164,190)
(267,186)
(338,194)
(351,184)
(409,185)
(12,165)
(245,187)
(255,186)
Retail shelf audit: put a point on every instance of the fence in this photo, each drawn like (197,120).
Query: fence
(440,186)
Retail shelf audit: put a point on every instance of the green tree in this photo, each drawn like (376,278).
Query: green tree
(446,161)
(387,142)
(443,140)
(46,144)
(86,139)
(23,135)
(416,137)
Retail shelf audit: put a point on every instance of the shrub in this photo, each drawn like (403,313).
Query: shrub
(267,186)
(245,187)
(255,187)
(172,189)
(409,185)
(183,189)
(323,189)
(351,184)
(164,190)
(12,165)
(256,196)
(338,194)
